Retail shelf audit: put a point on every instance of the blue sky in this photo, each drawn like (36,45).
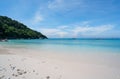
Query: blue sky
(67,18)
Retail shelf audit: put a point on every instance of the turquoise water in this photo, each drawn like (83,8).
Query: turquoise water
(68,45)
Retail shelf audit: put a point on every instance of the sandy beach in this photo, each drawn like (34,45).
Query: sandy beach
(23,63)
(59,39)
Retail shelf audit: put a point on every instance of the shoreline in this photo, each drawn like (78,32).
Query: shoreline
(48,65)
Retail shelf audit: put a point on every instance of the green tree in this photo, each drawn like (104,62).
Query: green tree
(12,29)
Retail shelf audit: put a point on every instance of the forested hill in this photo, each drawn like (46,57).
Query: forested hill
(12,29)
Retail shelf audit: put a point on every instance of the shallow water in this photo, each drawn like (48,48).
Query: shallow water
(76,58)
(67,45)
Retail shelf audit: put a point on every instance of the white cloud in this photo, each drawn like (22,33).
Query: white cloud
(55,4)
(90,30)
(62,33)
(37,17)
(51,32)
(96,6)
(65,5)
(77,31)
(63,27)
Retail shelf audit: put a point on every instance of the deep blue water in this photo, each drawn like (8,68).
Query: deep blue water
(74,45)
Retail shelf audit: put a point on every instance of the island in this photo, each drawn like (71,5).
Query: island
(12,29)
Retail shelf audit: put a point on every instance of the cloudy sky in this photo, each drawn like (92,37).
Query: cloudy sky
(66,18)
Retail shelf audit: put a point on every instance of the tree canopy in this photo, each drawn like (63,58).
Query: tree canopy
(12,29)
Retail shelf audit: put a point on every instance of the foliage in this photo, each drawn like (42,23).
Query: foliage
(12,29)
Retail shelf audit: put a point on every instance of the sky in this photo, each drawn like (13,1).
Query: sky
(67,18)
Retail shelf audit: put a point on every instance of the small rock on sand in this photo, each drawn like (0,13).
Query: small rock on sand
(48,77)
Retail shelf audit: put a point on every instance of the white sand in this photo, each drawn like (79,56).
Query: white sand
(30,64)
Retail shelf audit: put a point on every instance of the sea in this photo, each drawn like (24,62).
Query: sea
(73,58)
(67,45)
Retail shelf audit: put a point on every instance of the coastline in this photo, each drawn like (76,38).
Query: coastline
(46,65)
